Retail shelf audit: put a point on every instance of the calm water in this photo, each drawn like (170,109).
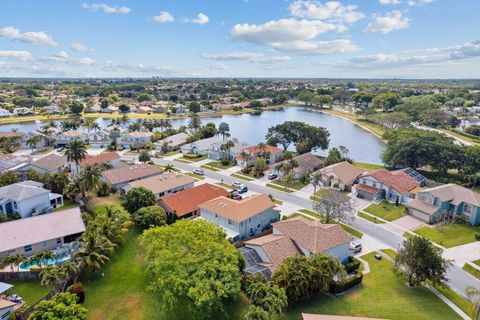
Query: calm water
(363,146)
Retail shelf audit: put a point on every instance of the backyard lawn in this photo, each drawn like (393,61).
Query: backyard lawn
(30,291)
(67,204)
(382,295)
(449,235)
(386,211)
(113,199)
(367,166)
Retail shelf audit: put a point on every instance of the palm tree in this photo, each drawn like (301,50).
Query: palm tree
(275,301)
(42,257)
(473,295)
(18,259)
(33,141)
(256,313)
(89,178)
(52,276)
(88,124)
(262,147)
(123,120)
(8,261)
(195,123)
(169,168)
(227,146)
(94,250)
(164,124)
(246,156)
(316,180)
(76,152)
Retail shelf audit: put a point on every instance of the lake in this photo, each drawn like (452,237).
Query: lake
(363,146)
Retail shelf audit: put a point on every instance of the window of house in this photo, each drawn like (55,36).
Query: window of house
(259,225)
(230,221)
(6,314)
(28,248)
(241,224)
(467,208)
(44,243)
(59,240)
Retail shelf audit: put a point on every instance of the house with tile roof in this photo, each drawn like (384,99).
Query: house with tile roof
(162,184)
(111,159)
(135,139)
(272,155)
(172,142)
(307,163)
(9,162)
(393,186)
(51,163)
(185,204)
(216,153)
(241,219)
(201,147)
(295,237)
(120,177)
(342,175)
(99,139)
(64,138)
(446,201)
(27,198)
(43,232)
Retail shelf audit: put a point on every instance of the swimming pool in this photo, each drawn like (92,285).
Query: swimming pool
(26,265)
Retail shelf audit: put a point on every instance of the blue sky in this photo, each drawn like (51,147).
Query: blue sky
(241,38)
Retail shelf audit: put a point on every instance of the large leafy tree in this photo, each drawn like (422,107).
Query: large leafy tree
(386,101)
(138,198)
(192,266)
(334,205)
(306,136)
(419,260)
(303,276)
(148,217)
(61,306)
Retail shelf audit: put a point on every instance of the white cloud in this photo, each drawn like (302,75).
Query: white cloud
(34,37)
(295,36)
(389,22)
(77,46)
(200,19)
(105,8)
(253,57)
(332,11)
(83,62)
(15,54)
(389,1)
(164,17)
(217,66)
(61,55)
(418,2)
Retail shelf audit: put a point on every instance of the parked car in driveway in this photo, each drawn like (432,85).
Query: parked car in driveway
(272,176)
(236,184)
(355,247)
(199,172)
(242,189)
(60,149)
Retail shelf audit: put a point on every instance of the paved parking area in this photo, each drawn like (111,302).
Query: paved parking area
(409,222)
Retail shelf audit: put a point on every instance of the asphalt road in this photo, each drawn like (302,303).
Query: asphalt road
(459,280)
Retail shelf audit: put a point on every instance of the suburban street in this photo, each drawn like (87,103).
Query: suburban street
(376,236)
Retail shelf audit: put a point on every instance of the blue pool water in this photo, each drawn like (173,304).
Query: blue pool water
(27,265)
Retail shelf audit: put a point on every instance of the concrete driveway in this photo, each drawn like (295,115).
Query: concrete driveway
(409,222)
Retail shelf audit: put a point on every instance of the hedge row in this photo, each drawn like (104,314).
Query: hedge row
(352,265)
(348,283)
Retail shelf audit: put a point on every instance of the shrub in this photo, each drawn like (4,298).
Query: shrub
(477,236)
(103,190)
(191,156)
(348,283)
(352,265)
(225,162)
(148,217)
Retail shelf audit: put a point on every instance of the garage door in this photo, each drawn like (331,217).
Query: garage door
(420,215)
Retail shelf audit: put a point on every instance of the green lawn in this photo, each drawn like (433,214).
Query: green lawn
(386,211)
(368,217)
(477,262)
(458,300)
(67,204)
(367,166)
(113,199)
(297,185)
(390,252)
(241,177)
(194,159)
(195,176)
(382,295)
(473,271)
(30,291)
(450,235)
(218,165)
(204,166)
(279,188)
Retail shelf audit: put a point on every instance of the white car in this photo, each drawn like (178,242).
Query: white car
(355,247)
(199,172)
(237,184)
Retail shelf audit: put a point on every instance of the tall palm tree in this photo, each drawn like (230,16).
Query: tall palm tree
(52,276)
(89,178)
(94,251)
(473,295)
(227,146)
(76,152)
(262,147)
(316,180)
(18,259)
(33,141)
(8,260)
(42,257)
(195,123)
(113,223)
(246,156)
(123,120)
(88,124)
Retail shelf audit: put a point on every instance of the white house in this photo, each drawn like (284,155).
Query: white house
(27,198)
(64,138)
(135,139)
(44,232)
(6,306)
(200,147)
(173,142)
(216,152)
(99,139)
(4,113)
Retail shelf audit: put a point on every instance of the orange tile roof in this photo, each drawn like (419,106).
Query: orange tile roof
(187,201)
(398,180)
(253,150)
(238,210)
(99,159)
